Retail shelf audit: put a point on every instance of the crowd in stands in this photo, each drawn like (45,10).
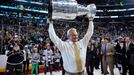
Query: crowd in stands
(37,34)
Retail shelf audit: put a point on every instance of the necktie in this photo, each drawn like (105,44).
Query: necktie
(127,47)
(105,51)
(77,57)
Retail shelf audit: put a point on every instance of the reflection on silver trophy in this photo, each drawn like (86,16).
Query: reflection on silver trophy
(69,9)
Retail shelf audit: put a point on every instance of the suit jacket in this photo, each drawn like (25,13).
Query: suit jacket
(121,53)
(109,52)
(90,56)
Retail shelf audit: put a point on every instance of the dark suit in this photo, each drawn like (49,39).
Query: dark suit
(90,60)
(121,57)
(98,56)
(108,58)
(130,56)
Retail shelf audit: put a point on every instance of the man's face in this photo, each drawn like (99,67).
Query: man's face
(47,46)
(36,50)
(133,41)
(25,48)
(127,40)
(105,41)
(120,40)
(73,36)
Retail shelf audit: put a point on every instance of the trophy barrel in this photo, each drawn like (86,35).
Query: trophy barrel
(64,9)
(69,9)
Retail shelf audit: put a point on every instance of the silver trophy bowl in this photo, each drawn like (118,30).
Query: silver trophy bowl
(69,9)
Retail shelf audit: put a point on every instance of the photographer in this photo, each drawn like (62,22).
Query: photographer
(14,58)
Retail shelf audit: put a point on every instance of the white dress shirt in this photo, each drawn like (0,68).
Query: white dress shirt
(67,48)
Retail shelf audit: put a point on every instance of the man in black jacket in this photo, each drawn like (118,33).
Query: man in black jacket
(14,58)
(130,56)
(121,56)
(90,58)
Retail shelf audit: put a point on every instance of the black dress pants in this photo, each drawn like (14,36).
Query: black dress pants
(10,68)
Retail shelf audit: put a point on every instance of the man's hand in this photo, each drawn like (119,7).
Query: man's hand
(49,21)
(110,53)
(90,18)
(102,53)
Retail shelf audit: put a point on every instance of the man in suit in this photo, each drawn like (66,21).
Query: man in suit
(107,51)
(90,58)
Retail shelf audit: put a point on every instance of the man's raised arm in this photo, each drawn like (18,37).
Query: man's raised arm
(89,32)
(54,38)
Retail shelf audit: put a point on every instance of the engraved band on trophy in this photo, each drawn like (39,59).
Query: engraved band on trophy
(69,9)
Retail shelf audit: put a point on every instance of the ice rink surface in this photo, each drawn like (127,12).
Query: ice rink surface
(96,72)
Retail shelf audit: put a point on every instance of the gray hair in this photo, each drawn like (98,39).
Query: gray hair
(70,30)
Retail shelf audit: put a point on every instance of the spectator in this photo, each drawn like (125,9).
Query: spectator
(90,58)
(35,61)
(27,56)
(107,51)
(48,56)
(130,54)
(15,59)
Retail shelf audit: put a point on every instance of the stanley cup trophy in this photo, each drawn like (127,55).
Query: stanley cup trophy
(69,9)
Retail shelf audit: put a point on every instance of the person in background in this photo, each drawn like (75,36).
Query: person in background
(130,56)
(35,61)
(15,57)
(98,55)
(90,58)
(57,57)
(107,51)
(27,56)
(102,71)
(48,57)
(121,55)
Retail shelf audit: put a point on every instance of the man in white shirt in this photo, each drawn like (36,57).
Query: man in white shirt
(71,64)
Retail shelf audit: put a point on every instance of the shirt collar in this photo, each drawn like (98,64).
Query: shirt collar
(69,41)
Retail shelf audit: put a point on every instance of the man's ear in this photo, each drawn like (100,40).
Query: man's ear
(68,36)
